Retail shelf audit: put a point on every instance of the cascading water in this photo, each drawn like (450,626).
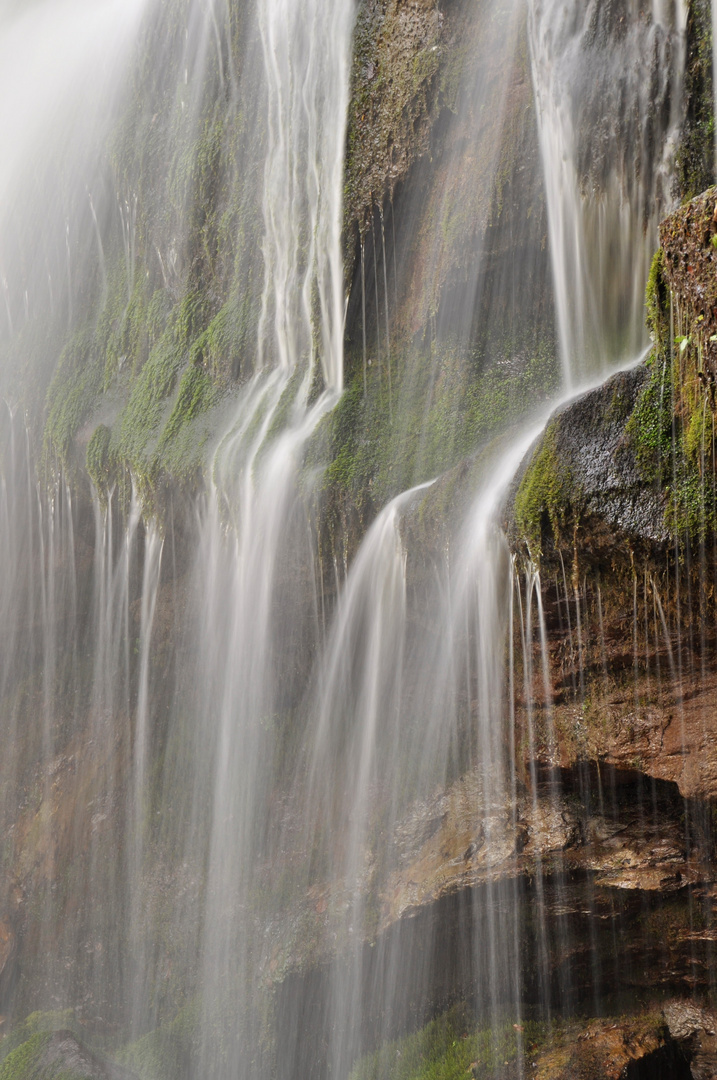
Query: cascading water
(297,831)
(608,94)
(257,619)
(444,713)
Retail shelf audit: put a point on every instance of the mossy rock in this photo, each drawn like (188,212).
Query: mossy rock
(542,500)
(167,1053)
(98,458)
(58,1056)
(657,301)
(450,1048)
(582,490)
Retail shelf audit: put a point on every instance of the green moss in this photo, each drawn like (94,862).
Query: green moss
(164,1054)
(449,1048)
(191,318)
(453,1047)
(98,457)
(37,1023)
(442,408)
(221,348)
(544,494)
(23,1063)
(649,429)
(671,430)
(140,419)
(180,448)
(72,394)
(657,302)
(195,396)
(28,1059)
(395,98)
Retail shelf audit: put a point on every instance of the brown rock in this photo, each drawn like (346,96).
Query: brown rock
(696,1029)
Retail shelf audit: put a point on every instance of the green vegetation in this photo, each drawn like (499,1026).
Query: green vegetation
(452,1047)
(98,459)
(23,1063)
(160,322)
(440,410)
(23,1050)
(163,1054)
(37,1023)
(72,393)
(449,1048)
(657,302)
(544,492)
(392,107)
(195,397)
(672,428)
(649,428)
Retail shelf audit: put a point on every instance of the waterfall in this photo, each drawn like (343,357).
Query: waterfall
(256,621)
(282,802)
(405,711)
(608,95)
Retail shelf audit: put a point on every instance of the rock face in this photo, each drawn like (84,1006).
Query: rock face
(548,825)
(633,680)
(633,710)
(688,239)
(613,1049)
(695,1028)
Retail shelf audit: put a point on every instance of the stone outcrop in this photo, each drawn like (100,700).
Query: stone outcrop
(581,488)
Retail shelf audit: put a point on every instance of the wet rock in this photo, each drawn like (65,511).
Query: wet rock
(610,1049)
(695,1028)
(595,497)
(622,848)
(581,824)
(8,965)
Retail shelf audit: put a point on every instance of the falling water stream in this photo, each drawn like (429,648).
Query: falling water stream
(286,801)
(608,93)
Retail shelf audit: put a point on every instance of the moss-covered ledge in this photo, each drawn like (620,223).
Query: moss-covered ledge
(53,1055)
(581,487)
